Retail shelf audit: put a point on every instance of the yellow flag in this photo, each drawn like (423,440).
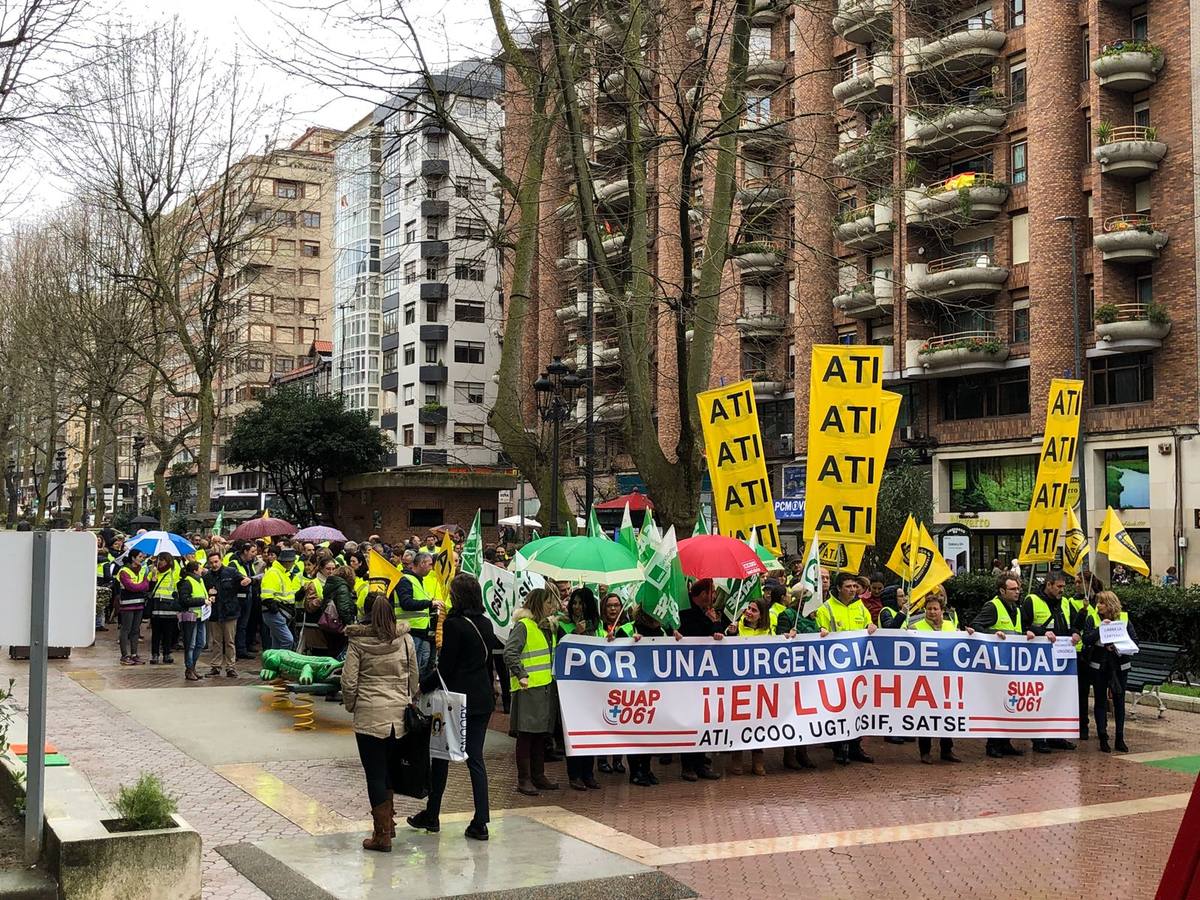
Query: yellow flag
(927,567)
(1075,544)
(839,557)
(1059,443)
(898,561)
(381,574)
(1118,546)
(443,563)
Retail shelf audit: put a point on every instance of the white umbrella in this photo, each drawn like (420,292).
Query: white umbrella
(516,522)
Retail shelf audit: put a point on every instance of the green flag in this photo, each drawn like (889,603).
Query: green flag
(701,524)
(594,529)
(626,535)
(472,551)
(569,524)
(659,594)
(216,530)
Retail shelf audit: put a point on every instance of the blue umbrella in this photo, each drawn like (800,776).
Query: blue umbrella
(153,543)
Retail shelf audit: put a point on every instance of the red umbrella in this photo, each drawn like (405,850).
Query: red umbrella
(717,556)
(636,500)
(253,529)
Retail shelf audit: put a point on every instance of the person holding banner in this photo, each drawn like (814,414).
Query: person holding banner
(1109,668)
(1001,616)
(755,622)
(529,656)
(1086,616)
(582,618)
(845,612)
(1051,616)
(789,620)
(935,620)
(700,619)
(611,625)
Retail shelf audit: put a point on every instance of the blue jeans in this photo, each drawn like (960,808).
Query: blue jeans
(424,648)
(276,624)
(193,643)
(245,604)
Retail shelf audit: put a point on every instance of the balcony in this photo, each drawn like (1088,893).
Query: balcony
(434,249)
(863,21)
(868,159)
(766,385)
(964,199)
(390,382)
(614,82)
(608,407)
(761,193)
(435,168)
(432,374)
(569,313)
(435,209)
(434,290)
(1130,327)
(867,227)
(574,259)
(765,72)
(970,47)
(761,324)
(1130,238)
(955,128)
(961,353)
(432,414)
(1128,66)
(763,133)
(435,334)
(1130,151)
(388,421)
(612,28)
(869,85)
(766,12)
(613,244)
(758,257)
(613,191)
(960,276)
(870,299)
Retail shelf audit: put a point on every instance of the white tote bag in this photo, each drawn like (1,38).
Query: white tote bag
(448,724)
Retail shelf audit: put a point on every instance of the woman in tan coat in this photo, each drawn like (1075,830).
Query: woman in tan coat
(379,681)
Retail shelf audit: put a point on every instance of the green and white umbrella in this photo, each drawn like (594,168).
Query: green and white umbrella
(583,559)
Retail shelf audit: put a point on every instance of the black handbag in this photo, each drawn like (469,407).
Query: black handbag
(410,773)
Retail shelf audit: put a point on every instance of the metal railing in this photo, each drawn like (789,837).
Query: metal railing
(963,180)
(1130,312)
(1128,133)
(943,341)
(1128,222)
(980,259)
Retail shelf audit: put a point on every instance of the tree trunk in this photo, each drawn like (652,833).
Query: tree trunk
(103,432)
(79,503)
(204,451)
(161,498)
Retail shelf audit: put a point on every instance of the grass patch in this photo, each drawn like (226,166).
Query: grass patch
(1183,689)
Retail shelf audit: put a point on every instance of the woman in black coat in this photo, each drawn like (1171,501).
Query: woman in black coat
(465,664)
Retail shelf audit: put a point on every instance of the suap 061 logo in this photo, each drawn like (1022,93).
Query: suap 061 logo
(631,707)
(1024,696)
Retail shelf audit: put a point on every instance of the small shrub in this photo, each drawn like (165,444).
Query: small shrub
(147,805)
(1107,313)
(1156,313)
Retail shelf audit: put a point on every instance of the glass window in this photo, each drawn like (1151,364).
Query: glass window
(1020,238)
(409,395)
(992,484)
(984,396)
(389,362)
(469,392)
(468,352)
(470,188)
(391,321)
(1144,288)
(285,334)
(1016,79)
(410,354)
(1127,478)
(285,306)
(288,190)
(468,269)
(1085,46)
(311,249)
(408,435)
(760,45)
(847,334)
(468,435)
(470,227)
(433,353)
(1018,13)
(1128,378)
(410,232)
(468,311)
(1141,113)
(433,311)
(1140,27)
(410,272)
(310,219)
(410,313)
(1019,162)
(1020,322)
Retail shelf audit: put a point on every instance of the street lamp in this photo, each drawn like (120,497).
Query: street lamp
(139,443)
(1077,316)
(555,389)
(60,475)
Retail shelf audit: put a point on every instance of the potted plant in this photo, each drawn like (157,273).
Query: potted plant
(146,806)
(1156,313)
(1104,132)
(1107,314)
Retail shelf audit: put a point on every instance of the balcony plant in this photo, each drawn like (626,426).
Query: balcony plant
(1107,314)
(747,247)
(1116,48)
(1156,314)
(976,344)
(1104,132)
(433,407)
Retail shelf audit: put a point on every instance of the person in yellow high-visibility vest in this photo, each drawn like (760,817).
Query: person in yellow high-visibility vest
(843,611)
(1001,616)
(935,619)
(1108,668)
(529,657)
(164,613)
(417,609)
(1050,613)
(279,588)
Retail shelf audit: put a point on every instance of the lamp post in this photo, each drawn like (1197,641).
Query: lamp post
(139,443)
(60,477)
(1077,371)
(555,389)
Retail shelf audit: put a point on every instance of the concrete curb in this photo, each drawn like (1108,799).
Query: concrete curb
(1177,702)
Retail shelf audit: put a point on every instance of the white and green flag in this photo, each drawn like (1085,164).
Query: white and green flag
(472,551)
(659,594)
(810,579)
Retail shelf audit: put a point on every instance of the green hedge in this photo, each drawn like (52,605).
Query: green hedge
(1167,615)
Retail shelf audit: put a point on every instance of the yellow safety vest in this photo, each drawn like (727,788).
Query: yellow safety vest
(625,630)
(279,585)
(923,625)
(168,581)
(745,630)
(433,587)
(777,610)
(199,595)
(1004,622)
(537,658)
(361,589)
(417,619)
(1042,613)
(833,615)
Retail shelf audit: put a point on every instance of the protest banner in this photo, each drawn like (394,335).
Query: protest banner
(1060,440)
(503,594)
(737,465)
(850,424)
(664,696)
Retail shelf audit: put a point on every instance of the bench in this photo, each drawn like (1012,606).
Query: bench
(1152,667)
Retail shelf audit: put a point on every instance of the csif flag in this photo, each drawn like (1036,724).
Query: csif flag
(472,552)
(810,579)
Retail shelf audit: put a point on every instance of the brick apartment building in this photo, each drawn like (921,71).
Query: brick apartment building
(910,175)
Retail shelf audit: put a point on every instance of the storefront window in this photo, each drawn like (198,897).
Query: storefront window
(1127,478)
(995,484)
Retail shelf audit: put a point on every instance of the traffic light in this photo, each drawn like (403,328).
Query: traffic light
(416,456)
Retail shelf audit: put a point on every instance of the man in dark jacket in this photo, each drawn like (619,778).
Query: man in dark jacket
(223,585)
(1002,616)
(701,619)
(1050,614)
(241,571)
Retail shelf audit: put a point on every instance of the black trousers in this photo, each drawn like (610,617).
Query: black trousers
(1104,680)
(477,724)
(581,767)
(163,632)
(1083,682)
(504,677)
(925,744)
(639,764)
(377,756)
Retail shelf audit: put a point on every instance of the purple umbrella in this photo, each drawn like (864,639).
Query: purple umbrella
(319,533)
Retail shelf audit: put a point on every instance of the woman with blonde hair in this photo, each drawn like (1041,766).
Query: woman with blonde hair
(1109,669)
(529,657)
(379,681)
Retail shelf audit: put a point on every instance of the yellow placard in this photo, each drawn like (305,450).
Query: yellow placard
(737,465)
(1052,487)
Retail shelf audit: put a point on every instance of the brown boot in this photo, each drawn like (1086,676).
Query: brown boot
(391,813)
(380,840)
(756,762)
(735,763)
(537,767)
(524,783)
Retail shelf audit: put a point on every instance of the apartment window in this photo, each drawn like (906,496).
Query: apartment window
(433,311)
(390,362)
(471,107)
(391,321)
(432,272)
(391,165)
(282,364)
(259,303)
(847,334)
(288,190)
(468,352)
(760,45)
(468,392)
(391,243)
(1019,161)
(285,306)
(310,278)
(408,435)
(285,334)
(409,395)
(470,188)
(984,396)
(310,219)
(410,190)
(285,247)
(410,272)
(1139,25)
(1020,238)
(311,249)
(1016,78)
(284,218)
(470,227)
(1020,318)
(1017,19)
(433,229)
(306,335)
(410,151)
(391,282)
(433,353)
(410,313)
(468,311)
(391,204)
(430,437)
(1128,378)
(1141,196)
(1144,289)
(410,354)
(435,147)
(758,110)
(256,362)
(1141,113)
(1085,47)
(310,307)
(260,333)
(754,300)
(468,435)
(755,359)
(468,269)
(431,395)
(410,232)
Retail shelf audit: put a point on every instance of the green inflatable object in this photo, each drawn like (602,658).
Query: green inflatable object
(298,667)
